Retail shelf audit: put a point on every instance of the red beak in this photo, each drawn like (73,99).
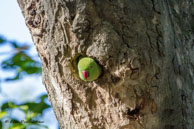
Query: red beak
(85,74)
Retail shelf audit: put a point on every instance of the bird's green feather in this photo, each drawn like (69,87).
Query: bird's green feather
(91,66)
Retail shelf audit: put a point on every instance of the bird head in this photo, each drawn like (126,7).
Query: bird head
(88,69)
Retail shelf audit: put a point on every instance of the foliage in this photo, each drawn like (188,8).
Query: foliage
(22,64)
(19,61)
(32,110)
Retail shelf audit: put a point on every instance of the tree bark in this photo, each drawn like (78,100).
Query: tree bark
(146,49)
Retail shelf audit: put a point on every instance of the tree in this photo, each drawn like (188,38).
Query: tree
(144,47)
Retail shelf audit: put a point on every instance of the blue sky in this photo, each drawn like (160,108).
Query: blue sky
(12,26)
(12,23)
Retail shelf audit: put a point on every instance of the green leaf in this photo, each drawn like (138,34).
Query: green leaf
(14,44)
(12,105)
(17,127)
(24,107)
(2,114)
(2,40)
(1,125)
(22,64)
(5,106)
(31,115)
(43,97)
(17,124)
(8,105)
(37,107)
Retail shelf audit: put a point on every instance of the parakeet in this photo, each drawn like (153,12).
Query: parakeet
(88,69)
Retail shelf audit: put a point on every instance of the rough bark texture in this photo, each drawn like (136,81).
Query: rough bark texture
(146,49)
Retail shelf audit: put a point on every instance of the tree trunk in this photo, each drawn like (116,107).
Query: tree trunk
(146,49)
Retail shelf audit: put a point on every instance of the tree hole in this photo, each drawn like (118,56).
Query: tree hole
(133,114)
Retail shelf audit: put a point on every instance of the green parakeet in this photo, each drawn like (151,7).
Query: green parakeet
(88,69)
